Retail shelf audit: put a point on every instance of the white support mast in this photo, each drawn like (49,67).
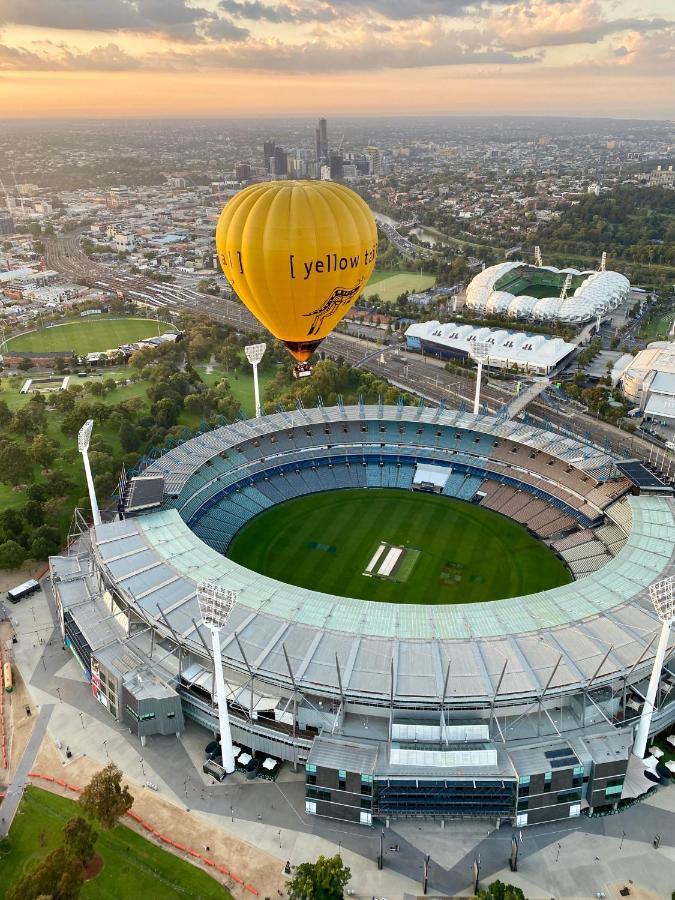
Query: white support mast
(215,606)
(254,353)
(537,257)
(480,352)
(662,595)
(83,438)
(566,287)
(603,261)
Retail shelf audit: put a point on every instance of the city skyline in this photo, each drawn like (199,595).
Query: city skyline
(70,58)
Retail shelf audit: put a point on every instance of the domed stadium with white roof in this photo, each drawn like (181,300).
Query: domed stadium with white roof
(543,293)
(520,706)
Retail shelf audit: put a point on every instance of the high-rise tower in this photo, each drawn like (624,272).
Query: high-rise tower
(322,140)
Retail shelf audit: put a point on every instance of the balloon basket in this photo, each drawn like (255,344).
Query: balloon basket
(302,370)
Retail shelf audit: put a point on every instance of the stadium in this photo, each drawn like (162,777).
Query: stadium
(504,705)
(543,293)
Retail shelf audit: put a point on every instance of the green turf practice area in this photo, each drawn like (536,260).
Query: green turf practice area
(133,868)
(91,334)
(390,285)
(535,282)
(452,552)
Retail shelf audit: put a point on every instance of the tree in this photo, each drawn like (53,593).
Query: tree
(500,891)
(165,412)
(80,839)
(5,414)
(46,542)
(43,450)
(130,439)
(12,555)
(54,877)
(105,799)
(33,513)
(25,364)
(323,880)
(15,464)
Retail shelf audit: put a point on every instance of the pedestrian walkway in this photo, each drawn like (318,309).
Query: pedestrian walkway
(521,400)
(14,792)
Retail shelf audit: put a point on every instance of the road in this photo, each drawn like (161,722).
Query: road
(422,376)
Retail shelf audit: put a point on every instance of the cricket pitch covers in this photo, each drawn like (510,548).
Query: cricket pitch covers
(394,563)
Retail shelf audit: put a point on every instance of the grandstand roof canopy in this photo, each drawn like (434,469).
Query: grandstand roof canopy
(598,627)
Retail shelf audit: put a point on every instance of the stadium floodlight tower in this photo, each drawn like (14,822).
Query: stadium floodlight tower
(662,595)
(215,606)
(83,438)
(254,353)
(479,351)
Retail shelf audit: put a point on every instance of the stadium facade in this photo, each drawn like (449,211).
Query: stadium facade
(520,709)
(543,293)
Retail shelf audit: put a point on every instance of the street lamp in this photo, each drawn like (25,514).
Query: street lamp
(662,595)
(215,606)
(254,353)
(83,438)
(479,351)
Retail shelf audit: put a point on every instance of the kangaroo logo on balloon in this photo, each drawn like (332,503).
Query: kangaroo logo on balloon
(338,298)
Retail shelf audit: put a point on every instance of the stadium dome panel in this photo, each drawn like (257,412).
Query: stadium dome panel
(521,307)
(499,302)
(480,287)
(547,308)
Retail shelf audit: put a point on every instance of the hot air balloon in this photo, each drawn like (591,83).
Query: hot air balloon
(298,254)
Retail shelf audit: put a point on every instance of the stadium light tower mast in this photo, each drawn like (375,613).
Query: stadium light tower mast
(254,353)
(662,595)
(480,352)
(83,438)
(215,606)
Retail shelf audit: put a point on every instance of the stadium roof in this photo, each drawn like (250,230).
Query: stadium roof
(506,347)
(597,293)
(643,477)
(599,626)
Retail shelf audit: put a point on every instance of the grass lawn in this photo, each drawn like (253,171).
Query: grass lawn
(132,866)
(389,285)
(91,334)
(657,327)
(241,384)
(325,541)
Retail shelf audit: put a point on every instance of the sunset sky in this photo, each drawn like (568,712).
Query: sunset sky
(256,57)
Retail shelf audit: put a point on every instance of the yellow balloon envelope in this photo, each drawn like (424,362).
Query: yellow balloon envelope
(298,254)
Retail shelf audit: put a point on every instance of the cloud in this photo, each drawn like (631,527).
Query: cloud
(19,59)
(360,50)
(256,11)
(541,23)
(174,18)
(221,29)
(107,58)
